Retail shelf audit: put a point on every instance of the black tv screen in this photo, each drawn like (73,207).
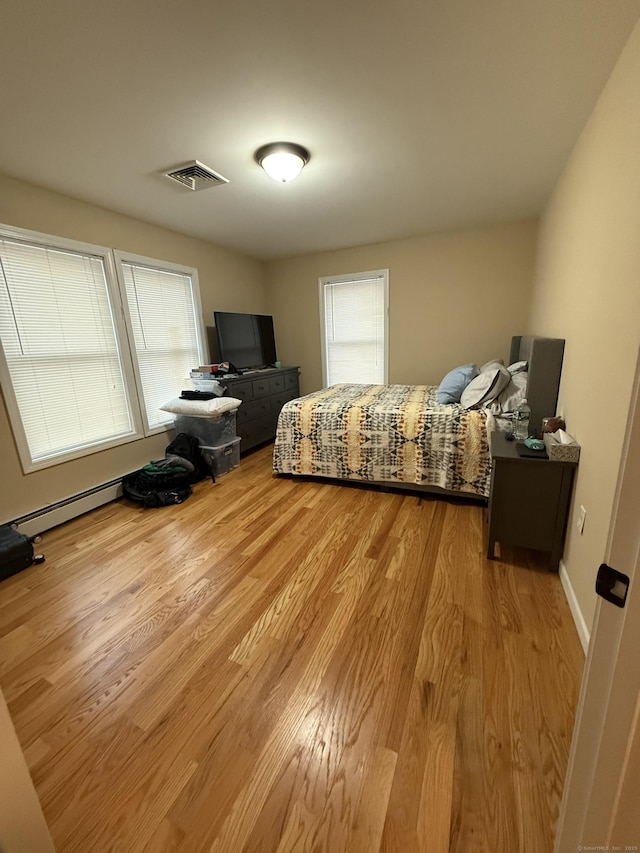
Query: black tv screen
(246,340)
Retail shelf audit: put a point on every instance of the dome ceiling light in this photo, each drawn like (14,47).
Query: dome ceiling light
(282,161)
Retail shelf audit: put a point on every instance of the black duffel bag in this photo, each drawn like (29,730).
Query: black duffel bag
(153,488)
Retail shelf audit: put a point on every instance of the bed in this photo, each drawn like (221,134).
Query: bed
(402,436)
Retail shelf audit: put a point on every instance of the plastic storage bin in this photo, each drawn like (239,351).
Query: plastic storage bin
(211,385)
(210,432)
(223,458)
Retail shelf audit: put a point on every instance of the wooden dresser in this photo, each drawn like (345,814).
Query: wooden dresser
(263,394)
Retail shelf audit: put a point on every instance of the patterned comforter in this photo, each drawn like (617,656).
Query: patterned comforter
(384,433)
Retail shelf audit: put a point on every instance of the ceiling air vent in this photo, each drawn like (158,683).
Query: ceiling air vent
(195,176)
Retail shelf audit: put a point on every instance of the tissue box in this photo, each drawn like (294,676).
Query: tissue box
(561,447)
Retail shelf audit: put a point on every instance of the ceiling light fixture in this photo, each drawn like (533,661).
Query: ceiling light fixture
(282,161)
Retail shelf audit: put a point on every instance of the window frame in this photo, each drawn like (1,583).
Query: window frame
(122,257)
(13,409)
(353,278)
(112,260)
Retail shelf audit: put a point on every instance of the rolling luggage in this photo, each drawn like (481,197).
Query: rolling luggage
(16,552)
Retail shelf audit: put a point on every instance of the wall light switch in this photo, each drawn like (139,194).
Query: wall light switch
(581,517)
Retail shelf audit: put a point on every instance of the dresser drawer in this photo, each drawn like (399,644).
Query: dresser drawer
(291,381)
(254,409)
(278,400)
(240,390)
(261,387)
(256,431)
(276,384)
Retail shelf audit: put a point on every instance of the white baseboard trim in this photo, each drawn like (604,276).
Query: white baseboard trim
(576,612)
(64,510)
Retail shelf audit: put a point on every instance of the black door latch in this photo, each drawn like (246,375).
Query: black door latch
(612,585)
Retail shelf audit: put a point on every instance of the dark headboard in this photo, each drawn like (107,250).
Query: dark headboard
(545,367)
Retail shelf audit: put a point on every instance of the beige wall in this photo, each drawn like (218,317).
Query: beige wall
(228,282)
(453,298)
(588,291)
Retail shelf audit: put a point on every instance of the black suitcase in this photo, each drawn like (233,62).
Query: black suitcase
(16,552)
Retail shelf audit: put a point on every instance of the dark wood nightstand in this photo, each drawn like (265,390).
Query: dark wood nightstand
(529,500)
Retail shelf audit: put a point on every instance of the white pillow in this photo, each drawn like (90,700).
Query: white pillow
(490,365)
(485,387)
(510,397)
(201,408)
(518,367)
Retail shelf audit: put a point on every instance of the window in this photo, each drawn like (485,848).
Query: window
(65,380)
(354,312)
(72,383)
(166,330)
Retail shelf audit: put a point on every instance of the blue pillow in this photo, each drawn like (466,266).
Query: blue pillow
(451,388)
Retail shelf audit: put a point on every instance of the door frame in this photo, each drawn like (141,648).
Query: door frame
(606,720)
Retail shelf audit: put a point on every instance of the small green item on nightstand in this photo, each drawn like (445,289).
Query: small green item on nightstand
(534,444)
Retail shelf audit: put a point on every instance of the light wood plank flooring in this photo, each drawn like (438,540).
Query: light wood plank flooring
(281,666)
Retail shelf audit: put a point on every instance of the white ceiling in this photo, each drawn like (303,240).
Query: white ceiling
(420,115)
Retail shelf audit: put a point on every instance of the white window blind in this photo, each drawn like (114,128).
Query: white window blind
(61,349)
(355,320)
(164,312)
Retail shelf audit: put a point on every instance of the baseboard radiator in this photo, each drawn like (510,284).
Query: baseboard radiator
(57,513)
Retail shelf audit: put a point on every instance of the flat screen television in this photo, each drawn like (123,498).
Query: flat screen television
(246,340)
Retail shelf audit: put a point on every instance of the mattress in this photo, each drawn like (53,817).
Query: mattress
(384,434)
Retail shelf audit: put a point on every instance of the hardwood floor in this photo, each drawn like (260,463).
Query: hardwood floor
(282,666)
